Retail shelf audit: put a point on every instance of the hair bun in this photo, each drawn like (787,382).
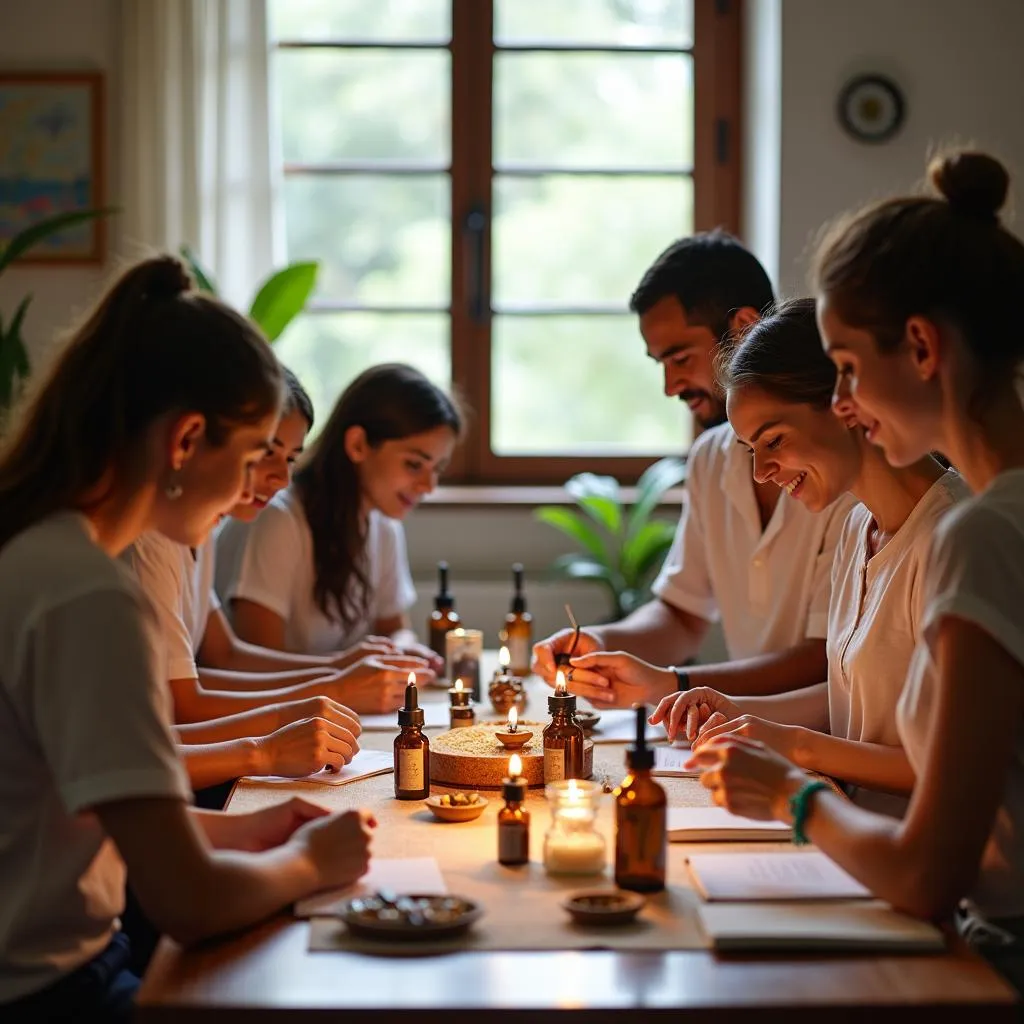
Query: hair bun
(972,183)
(165,277)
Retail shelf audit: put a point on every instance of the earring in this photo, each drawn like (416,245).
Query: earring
(174,490)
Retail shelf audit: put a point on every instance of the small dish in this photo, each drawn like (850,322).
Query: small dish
(416,916)
(514,740)
(587,720)
(603,906)
(455,812)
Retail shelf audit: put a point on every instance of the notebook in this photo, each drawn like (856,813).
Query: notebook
(420,875)
(827,925)
(669,761)
(365,764)
(716,824)
(773,875)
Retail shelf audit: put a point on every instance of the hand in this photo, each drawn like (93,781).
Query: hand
(337,846)
(305,747)
(617,679)
(272,826)
(780,738)
(366,648)
(376,685)
(559,643)
(318,707)
(692,709)
(417,650)
(746,778)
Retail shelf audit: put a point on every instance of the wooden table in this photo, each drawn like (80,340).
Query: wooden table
(268,974)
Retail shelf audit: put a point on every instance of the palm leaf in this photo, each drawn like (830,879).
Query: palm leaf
(652,485)
(646,548)
(283,296)
(574,526)
(41,230)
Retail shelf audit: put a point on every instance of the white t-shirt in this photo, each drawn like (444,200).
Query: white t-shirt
(976,572)
(874,624)
(204,600)
(84,714)
(769,586)
(276,571)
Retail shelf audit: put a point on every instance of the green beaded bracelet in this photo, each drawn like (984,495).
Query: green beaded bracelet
(799,808)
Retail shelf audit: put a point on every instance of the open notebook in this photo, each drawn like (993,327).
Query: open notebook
(716,824)
(669,761)
(772,875)
(844,924)
(365,764)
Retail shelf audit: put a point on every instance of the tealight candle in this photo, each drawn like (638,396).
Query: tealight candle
(513,736)
(458,695)
(572,846)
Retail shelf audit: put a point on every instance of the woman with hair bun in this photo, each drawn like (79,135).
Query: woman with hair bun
(917,303)
(152,417)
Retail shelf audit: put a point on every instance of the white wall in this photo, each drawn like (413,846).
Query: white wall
(61,35)
(959,63)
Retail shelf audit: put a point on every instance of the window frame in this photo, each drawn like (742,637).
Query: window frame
(716,182)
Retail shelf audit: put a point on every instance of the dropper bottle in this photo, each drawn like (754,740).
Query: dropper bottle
(563,737)
(444,616)
(519,628)
(412,749)
(640,825)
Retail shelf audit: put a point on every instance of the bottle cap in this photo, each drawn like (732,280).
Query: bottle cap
(519,600)
(412,713)
(514,789)
(443,601)
(640,756)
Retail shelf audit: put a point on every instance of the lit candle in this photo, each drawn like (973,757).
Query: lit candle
(515,766)
(458,695)
(560,687)
(412,679)
(504,660)
(572,846)
(513,720)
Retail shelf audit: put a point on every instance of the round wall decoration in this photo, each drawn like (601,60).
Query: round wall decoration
(871,108)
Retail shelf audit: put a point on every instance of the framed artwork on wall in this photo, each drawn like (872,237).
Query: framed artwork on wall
(51,159)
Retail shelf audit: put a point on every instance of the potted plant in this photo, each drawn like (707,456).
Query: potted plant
(278,300)
(623,547)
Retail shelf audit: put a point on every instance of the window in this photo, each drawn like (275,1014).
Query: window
(484,182)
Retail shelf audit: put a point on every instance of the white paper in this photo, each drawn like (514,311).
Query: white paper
(618,725)
(402,876)
(670,761)
(365,764)
(435,715)
(772,876)
(700,824)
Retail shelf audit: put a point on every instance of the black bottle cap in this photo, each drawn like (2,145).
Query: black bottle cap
(412,713)
(443,601)
(519,601)
(640,756)
(514,790)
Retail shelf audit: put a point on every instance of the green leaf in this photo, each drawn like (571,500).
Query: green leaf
(653,483)
(41,230)
(603,511)
(283,296)
(646,548)
(584,485)
(574,526)
(13,357)
(577,566)
(203,278)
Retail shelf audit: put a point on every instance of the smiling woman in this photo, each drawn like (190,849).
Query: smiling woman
(325,565)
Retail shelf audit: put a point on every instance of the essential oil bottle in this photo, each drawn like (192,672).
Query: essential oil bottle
(513,818)
(519,628)
(444,616)
(563,738)
(640,826)
(412,750)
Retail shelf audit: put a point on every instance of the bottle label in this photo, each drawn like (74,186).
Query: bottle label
(519,653)
(410,770)
(554,764)
(513,843)
(640,840)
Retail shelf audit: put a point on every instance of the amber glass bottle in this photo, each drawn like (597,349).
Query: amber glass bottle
(514,824)
(412,751)
(519,628)
(563,738)
(640,826)
(444,616)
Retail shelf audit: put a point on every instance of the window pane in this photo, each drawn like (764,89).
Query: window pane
(582,241)
(384,20)
(382,239)
(593,110)
(364,104)
(327,350)
(598,22)
(566,385)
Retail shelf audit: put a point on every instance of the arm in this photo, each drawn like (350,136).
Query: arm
(872,765)
(657,632)
(192,892)
(193,703)
(222,649)
(253,682)
(257,624)
(803,665)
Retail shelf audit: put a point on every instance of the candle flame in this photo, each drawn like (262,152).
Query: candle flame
(504,658)
(515,766)
(458,685)
(513,719)
(560,689)
(412,679)
(573,790)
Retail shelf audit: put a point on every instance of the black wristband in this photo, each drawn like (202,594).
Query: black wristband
(682,679)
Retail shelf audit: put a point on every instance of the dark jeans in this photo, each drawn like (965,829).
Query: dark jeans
(101,990)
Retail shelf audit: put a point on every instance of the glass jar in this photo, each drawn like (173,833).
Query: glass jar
(572,845)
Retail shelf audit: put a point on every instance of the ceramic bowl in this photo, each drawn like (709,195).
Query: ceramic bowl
(587,720)
(455,812)
(603,906)
(414,916)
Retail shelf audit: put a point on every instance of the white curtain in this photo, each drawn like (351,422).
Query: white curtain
(197,160)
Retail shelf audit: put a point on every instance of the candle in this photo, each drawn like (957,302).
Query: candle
(504,660)
(513,720)
(580,853)
(560,687)
(572,846)
(458,695)
(515,767)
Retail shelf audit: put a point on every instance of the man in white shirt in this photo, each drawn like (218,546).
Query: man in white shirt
(744,553)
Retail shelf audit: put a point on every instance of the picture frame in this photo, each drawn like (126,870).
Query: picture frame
(52,137)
